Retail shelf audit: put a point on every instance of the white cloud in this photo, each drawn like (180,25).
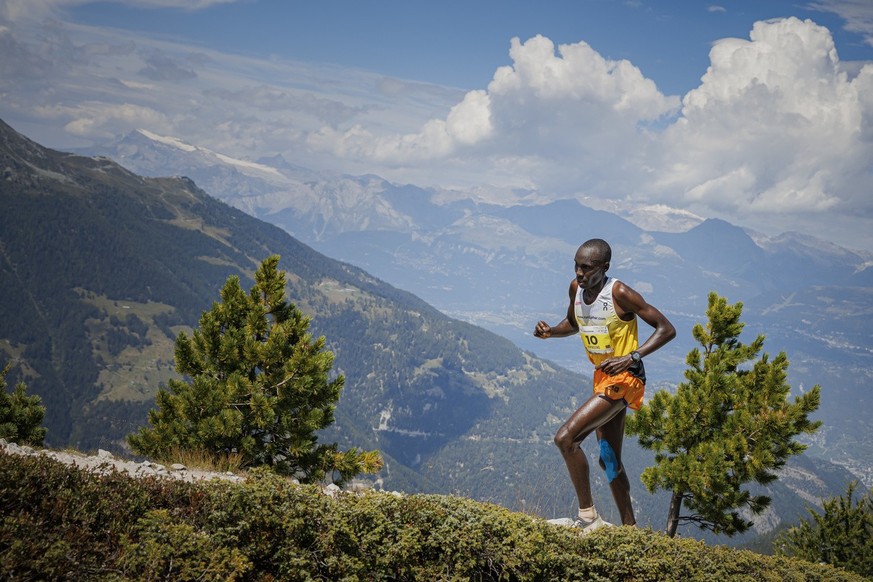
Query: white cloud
(470,121)
(858,15)
(98,120)
(537,115)
(775,129)
(777,136)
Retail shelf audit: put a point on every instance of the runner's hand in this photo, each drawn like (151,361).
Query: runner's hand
(543,330)
(613,366)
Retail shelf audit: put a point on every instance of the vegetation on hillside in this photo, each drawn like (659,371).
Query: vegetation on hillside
(726,426)
(20,415)
(259,388)
(842,534)
(100,269)
(62,522)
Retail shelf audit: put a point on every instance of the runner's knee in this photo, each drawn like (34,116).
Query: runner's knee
(566,441)
(561,440)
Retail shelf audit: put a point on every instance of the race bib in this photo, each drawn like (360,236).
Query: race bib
(596,339)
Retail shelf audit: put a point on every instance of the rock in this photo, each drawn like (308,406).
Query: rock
(359,486)
(104,463)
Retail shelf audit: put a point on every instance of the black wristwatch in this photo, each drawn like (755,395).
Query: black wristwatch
(636,357)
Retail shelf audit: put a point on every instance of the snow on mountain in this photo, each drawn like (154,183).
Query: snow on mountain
(651,217)
(253,169)
(662,218)
(170,141)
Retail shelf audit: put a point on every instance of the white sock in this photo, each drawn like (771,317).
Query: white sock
(589,514)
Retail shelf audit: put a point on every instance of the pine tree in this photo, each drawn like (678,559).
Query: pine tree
(726,426)
(21,415)
(841,536)
(259,387)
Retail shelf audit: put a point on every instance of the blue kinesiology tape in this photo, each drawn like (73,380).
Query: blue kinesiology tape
(610,461)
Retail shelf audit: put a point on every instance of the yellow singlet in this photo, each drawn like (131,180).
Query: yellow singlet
(605,335)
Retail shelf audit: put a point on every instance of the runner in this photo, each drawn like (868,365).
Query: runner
(604,312)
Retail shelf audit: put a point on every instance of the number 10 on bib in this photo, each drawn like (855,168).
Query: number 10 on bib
(596,339)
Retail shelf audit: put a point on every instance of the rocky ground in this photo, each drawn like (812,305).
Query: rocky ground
(104,462)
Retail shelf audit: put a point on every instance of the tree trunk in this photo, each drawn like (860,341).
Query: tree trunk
(673,514)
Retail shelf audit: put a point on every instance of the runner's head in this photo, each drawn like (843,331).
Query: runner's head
(592,262)
(599,247)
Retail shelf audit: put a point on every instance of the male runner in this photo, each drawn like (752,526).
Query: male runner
(604,312)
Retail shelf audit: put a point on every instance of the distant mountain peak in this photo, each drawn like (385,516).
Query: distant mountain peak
(246,167)
(662,218)
(650,217)
(170,141)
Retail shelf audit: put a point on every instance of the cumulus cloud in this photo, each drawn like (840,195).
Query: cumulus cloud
(776,133)
(550,106)
(776,127)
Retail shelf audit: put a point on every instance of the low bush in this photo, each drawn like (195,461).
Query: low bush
(61,522)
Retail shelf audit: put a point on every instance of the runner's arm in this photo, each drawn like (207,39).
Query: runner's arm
(627,300)
(567,326)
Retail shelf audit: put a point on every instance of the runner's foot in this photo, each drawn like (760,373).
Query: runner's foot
(588,527)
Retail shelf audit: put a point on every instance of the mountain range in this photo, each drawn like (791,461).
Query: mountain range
(101,267)
(503,260)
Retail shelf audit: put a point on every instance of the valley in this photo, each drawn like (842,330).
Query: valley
(455,407)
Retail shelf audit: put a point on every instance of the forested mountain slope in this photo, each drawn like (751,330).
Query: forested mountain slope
(100,268)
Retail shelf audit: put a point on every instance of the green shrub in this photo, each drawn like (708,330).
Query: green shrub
(63,522)
(59,523)
(841,535)
(167,550)
(21,415)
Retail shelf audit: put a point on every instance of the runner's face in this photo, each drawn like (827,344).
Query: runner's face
(590,270)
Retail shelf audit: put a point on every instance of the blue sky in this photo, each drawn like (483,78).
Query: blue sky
(461,43)
(760,113)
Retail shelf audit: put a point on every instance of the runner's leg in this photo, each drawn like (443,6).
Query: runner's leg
(592,414)
(612,432)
